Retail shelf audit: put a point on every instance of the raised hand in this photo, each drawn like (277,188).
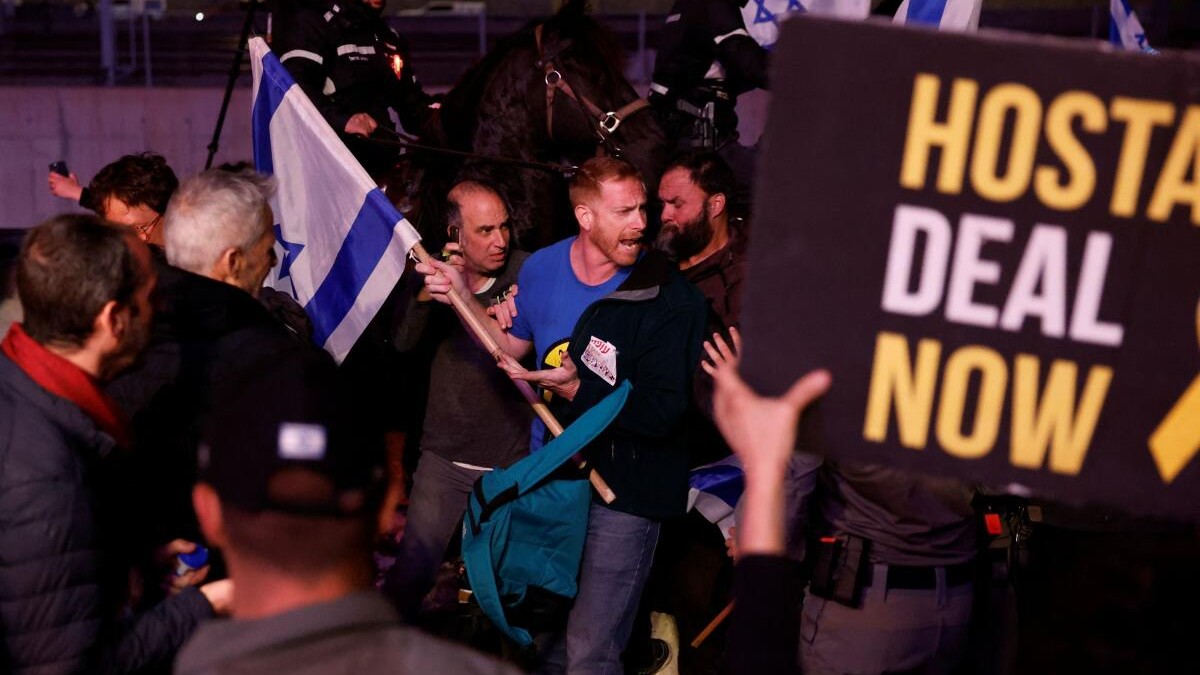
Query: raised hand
(67,187)
(761,430)
(361,124)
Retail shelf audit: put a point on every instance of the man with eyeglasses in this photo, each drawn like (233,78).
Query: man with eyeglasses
(132,191)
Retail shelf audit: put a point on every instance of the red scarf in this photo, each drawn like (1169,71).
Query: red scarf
(65,380)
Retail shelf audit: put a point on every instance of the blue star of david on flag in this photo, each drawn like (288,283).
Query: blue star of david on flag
(290,251)
(762,18)
(354,240)
(763,15)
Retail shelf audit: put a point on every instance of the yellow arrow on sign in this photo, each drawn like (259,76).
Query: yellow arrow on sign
(1176,441)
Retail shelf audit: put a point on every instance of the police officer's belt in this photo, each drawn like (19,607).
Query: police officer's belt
(921,577)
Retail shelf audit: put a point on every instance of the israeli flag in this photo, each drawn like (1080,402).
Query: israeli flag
(714,490)
(341,243)
(762,17)
(1125,31)
(952,15)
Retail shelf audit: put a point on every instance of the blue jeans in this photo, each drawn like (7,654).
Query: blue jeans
(617,557)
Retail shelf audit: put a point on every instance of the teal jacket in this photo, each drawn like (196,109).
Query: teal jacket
(654,322)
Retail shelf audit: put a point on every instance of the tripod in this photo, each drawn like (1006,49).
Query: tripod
(234,71)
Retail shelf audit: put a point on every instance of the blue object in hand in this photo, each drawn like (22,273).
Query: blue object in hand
(191,561)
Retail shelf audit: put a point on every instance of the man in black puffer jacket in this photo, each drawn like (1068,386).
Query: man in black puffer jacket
(86,288)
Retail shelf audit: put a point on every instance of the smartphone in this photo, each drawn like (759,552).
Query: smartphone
(452,232)
(60,168)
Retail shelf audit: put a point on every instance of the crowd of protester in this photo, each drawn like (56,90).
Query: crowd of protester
(158,403)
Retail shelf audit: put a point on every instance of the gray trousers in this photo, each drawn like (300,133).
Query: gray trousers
(435,512)
(894,630)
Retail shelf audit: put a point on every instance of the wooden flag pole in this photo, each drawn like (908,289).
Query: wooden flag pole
(471,319)
(712,625)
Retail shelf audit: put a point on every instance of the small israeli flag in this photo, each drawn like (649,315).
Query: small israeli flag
(342,243)
(762,17)
(714,490)
(953,15)
(1124,29)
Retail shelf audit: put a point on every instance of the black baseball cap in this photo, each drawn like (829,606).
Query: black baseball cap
(282,436)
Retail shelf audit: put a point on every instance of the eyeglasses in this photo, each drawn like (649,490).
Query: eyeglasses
(144,229)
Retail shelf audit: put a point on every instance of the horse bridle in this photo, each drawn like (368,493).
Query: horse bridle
(606,123)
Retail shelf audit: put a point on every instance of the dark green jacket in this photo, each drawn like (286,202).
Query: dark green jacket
(655,320)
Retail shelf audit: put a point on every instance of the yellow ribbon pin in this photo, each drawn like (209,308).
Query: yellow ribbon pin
(1176,441)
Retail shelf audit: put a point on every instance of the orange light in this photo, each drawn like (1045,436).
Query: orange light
(992,521)
(397,64)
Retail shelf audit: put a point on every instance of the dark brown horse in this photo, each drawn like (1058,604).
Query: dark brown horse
(553,93)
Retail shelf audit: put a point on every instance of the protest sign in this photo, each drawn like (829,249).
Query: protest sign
(993,242)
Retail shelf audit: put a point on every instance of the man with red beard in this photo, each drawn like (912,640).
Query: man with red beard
(598,310)
(86,287)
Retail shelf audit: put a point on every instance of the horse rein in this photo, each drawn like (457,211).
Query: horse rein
(565,170)
(606,122)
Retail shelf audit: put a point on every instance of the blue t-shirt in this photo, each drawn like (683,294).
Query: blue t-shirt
(550,300)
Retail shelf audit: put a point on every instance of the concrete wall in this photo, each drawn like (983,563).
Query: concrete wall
(91,126)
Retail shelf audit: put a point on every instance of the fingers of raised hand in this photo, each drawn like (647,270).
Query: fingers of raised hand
(808,388)
(715,355)
(728,353)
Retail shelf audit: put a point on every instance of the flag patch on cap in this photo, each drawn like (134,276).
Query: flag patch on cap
(301,441)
